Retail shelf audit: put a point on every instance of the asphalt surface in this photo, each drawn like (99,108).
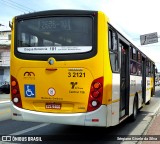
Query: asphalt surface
(79,134)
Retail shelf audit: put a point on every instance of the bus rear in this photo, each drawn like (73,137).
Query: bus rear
(57,68)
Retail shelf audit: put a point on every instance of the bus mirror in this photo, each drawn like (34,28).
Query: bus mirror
(10,24)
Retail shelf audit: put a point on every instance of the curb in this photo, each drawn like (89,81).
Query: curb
(149,125)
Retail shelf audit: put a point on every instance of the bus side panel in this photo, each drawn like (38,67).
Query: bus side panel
(148,89)
(107,89)
(115,98)
(152,85)
(135,89)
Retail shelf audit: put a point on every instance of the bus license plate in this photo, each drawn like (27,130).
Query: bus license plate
(53,106)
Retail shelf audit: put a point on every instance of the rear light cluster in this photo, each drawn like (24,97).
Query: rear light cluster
(15,93)
(95,96)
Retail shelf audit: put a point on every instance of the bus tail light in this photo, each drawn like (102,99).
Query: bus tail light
(15,93)
(96,93)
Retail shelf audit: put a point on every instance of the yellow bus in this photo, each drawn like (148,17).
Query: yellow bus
(74,67)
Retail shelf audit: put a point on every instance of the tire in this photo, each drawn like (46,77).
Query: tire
(152,93)
(148,103)
(135,109)
(7,92)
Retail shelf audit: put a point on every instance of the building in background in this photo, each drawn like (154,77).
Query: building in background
(5,42)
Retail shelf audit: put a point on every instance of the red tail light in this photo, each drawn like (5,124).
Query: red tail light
(96,93)
(15,93)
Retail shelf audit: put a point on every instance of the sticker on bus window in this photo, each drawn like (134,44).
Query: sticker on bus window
(55,49)
(29,90)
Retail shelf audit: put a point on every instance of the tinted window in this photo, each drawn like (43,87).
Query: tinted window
(113,49)
(55,35)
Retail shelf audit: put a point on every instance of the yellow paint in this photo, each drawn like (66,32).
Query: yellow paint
(114,101)
(71,92)
(72,99)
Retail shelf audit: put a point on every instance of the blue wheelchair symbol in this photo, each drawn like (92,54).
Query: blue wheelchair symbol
(29,90)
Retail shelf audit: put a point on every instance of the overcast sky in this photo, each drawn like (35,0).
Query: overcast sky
(134,17)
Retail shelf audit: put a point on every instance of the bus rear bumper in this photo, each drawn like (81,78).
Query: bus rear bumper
(95,118)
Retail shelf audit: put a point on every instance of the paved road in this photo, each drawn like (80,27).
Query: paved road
(5,111)
(4,97)
(78,134)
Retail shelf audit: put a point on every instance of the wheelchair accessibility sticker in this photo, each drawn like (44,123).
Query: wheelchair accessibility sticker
(29,90)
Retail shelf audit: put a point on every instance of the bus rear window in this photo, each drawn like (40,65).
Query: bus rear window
(55,35)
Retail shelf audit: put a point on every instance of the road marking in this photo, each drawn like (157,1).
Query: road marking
(30,129)
(4,112)
(1,102)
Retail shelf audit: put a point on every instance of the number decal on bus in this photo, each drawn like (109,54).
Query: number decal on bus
(76,74)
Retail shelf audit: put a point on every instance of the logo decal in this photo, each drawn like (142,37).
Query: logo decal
(29,90)
(51,61)
(73,84)
(29,74)
(51,91)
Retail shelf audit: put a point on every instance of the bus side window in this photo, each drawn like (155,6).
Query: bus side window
(151,69)
(135,62)
(114,61)
(113,48)
(139,69)
(139,57)
(114,41)
(133,67)
(147,68)
(110,41)
(134,54)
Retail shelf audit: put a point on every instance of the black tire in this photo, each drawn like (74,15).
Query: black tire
(135,109)
(8,92)
(148,103)
(152,93)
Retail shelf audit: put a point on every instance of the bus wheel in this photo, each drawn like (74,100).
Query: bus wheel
(152,93)
(135,109)
(148,102)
